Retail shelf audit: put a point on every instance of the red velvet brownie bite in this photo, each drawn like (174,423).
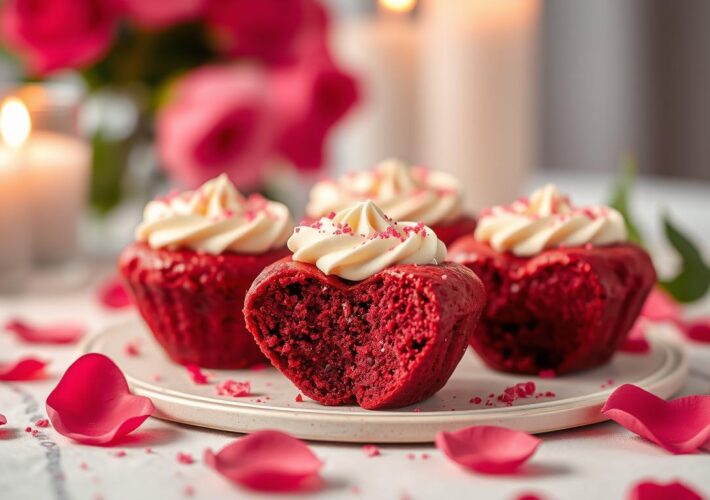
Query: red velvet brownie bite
(402,192)
(365,311)
(195,256)
(564,286)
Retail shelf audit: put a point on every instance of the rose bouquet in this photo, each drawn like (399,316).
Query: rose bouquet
(222,85)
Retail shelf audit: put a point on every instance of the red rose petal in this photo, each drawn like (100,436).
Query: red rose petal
(681,425)
(55,334)
(266,461)
(113,294)
(636,342)
(197,375)
(92,403)
(649,490)
(487,448)
(698,330)
(233,388)
(28,368)
(3,420)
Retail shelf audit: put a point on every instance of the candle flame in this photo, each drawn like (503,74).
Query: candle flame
(15,123)
(398,5)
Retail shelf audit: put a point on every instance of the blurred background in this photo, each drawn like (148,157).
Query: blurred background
(108,104)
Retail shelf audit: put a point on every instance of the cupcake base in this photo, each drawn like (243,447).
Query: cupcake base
(449,233)
(563,310)
(192,302)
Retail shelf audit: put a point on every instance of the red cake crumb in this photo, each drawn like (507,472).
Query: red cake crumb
(28,429)
(476,400)
(233,388)
(131,349)
(370,450)
(399,333)
(299,398)
(42,423)
(197,375)
(35,432)
(185,458)
(564,309)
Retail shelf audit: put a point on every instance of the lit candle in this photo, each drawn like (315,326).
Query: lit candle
(54,171)
(383,53)
(478,94)
(15,254)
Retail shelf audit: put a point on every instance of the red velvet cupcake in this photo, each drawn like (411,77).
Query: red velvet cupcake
(563,286)
(195,257)
(365,311)
(402,192)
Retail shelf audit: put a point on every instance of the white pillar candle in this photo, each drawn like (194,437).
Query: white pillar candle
(383,52)
(478,94)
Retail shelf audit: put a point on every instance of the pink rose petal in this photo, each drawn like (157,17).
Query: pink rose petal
(27,368)
(55,334)
(267,461)
(113,294)
(487,448)
(92,403)
(650,490)
(698,330)
(636,342)
(681,425)
(660,306)
(3,420)
(233,388)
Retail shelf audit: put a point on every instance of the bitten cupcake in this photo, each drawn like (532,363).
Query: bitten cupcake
(365,310)
(403,192)
(195,255)
(564,286)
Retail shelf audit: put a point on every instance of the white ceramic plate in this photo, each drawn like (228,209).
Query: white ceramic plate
(577,400)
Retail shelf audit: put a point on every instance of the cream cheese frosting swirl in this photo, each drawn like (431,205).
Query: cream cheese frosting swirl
(360,241)
(548,220)
(402,192)
(215,218)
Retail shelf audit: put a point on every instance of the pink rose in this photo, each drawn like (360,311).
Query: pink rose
(155,14)
(57,34)
(220,120)
(311,97)
(268,30)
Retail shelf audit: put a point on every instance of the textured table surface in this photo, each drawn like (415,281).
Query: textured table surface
(601,460)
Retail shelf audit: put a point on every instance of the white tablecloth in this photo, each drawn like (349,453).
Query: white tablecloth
(601,461)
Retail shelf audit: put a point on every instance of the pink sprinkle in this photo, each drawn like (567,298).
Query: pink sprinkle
(299,398)
(370,450)
(120,454)
(196,374)
(185,458)
(547,374)
(234,388)
(425,456)
(411,456)
(149,451)
(189,491)
(42,423)
(131,349)
(84,466)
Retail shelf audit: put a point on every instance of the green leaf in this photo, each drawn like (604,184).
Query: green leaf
(693,280)
(108,164)
(621,195)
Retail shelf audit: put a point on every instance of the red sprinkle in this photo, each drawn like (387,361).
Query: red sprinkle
(299,398)
(370,450)
(28,429)
(234,388)
(131,349)
(197,375)
(42,423)
(476,400)
(185,458)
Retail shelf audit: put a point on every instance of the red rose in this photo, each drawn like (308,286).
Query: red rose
(57,34)
(268,30)
(220,120)
(311,97)
(159,14)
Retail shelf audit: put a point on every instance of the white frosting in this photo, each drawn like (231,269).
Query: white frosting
(402,192)
(215,218)
(548,220)
(360,241)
